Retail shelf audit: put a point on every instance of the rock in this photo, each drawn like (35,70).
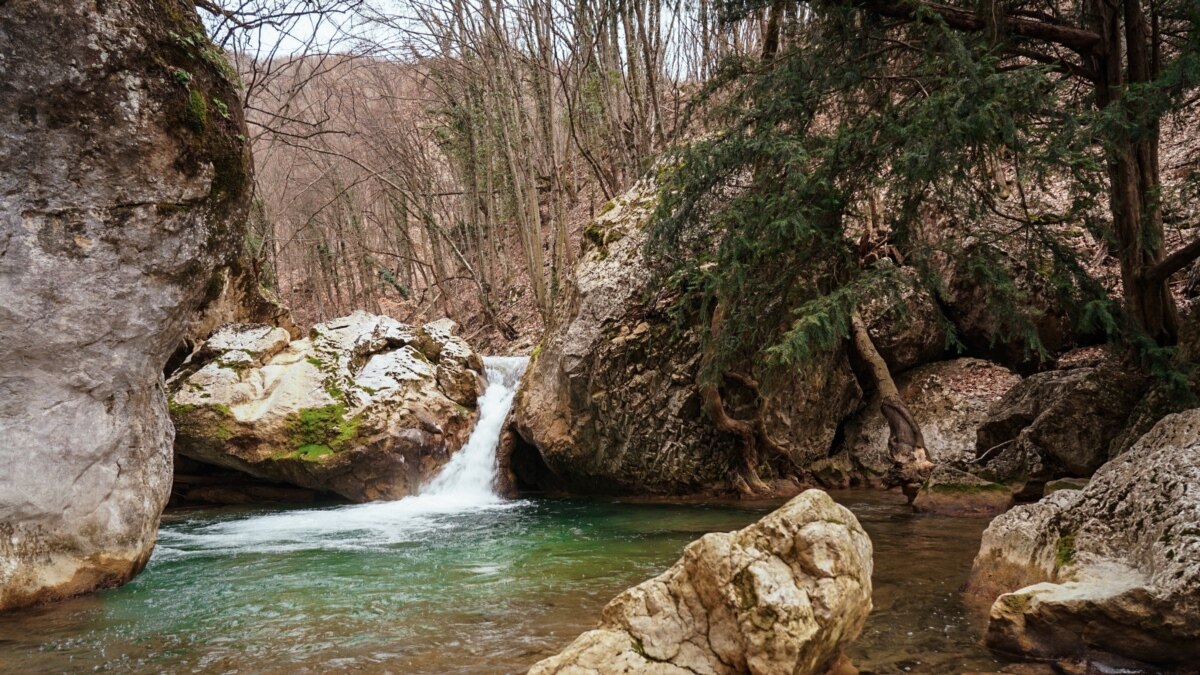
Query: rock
(949,400)
(1112,568)
(124,186)
(784,595)
(985,325)
(238,299)
(365,407)
(953,492)
(1065,484)
(197,483)
(610,402)
(905,330)
(1058,423)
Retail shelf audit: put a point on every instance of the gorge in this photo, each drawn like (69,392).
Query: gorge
(600,337)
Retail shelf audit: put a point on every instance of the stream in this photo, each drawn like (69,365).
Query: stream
(457,580)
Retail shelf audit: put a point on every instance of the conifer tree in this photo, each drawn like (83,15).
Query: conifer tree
(910,109)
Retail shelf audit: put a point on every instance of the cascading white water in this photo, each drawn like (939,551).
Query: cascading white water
(470,476)
(466,483)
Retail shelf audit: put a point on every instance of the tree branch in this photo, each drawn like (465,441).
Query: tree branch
(1075,39)
(217,10)
(1171,264)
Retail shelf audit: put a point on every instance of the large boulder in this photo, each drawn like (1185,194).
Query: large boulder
(949,400)
(1112,568)
(1058,423)
(782,596)
(124,183)
(905,326)
(610,402)
(985,322)
(365,406)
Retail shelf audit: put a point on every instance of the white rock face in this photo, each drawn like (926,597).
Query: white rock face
(949,399)
(115,210)
(1112,568)
(782,596)
(365,406)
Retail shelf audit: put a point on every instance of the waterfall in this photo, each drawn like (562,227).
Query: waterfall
(464,485)
(470,476)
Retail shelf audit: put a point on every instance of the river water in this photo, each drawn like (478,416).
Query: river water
(456,580)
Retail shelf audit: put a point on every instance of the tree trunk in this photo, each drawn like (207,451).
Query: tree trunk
(1125,58)
(906,445)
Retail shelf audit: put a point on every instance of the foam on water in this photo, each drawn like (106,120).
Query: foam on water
(466,483)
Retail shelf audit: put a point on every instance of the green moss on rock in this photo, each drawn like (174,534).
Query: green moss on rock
(324,427)
(1064,550)
(197,111)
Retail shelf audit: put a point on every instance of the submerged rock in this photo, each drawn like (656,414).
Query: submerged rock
(954,492)
(365,406)
(782,596)
(1112,568)
(125,185)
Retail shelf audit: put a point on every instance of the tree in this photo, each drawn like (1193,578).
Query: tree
(925,112)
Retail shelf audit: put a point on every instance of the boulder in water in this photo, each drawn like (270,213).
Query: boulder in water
(954,492)
(610,403)
(125,182)
(782,596)
(365,406)
(1112,568)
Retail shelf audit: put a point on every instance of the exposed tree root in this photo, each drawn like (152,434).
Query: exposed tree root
(752,434)
(906,445)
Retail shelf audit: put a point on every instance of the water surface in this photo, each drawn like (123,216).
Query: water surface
(390,588)
(455,580)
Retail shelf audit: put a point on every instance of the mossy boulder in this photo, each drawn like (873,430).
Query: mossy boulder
(365,406)
(953,492)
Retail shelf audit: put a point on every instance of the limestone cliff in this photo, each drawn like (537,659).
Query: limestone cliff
(123,185)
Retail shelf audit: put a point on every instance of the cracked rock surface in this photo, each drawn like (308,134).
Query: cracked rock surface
(784,595)
(123,190)
(1112,568)
(365,406)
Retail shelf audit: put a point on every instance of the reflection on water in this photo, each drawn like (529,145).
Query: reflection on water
(410,587)
(919,623)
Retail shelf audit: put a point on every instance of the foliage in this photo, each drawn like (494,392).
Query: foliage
(911,118)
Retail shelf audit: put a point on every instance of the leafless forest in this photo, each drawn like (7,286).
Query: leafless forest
(427,159)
